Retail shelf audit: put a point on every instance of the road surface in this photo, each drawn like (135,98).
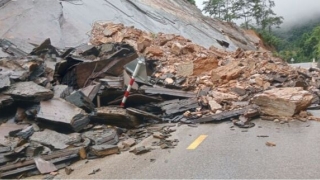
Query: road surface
(304,65)
(224,153)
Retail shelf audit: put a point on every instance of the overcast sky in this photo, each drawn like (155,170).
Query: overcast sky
(293,11)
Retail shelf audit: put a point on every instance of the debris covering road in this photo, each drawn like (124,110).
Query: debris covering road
(225,154)
(69,106)
(61,105)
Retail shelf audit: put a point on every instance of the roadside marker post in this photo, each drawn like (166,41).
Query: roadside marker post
(140,63)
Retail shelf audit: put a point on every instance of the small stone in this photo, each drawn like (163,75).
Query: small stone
(169,80)
(154,51)
(276,120)
(214,105)
(68,170)
(140,150)
(176,48)
(158,135)
(270,144)
(187,114)
(129,142)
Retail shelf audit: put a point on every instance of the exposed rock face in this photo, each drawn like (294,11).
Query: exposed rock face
(283,102)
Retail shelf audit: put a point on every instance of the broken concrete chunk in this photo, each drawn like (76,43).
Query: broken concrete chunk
(105,136)
(81,101)
(104,149)
(54,139)
(62,112)
(29,91)
(283,102)
(115,116)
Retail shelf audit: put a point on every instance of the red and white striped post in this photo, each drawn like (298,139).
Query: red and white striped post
(134,75)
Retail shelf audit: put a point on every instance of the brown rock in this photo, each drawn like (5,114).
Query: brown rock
(228,72)
(187,114)
(190,48)
(184,69)
(20,115)
(203,65)
(154,51)
(283,101)
(219,96)
(176,48)
(129,142)
(143,43)
(270,144)
(213,104)
(266,85)
(68,170)
(259,81)
(158,135)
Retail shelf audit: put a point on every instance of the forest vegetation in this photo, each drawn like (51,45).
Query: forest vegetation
(300,42)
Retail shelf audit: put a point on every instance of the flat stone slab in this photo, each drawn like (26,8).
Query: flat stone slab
(62,112)
(29,91)
(54,139)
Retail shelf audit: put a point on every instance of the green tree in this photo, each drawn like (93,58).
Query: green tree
(227,10)
(214,8)
(245,13)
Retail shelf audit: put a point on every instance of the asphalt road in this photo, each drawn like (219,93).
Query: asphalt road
(304,65)
(225,153)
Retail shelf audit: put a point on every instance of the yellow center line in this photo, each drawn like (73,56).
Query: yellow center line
(197,142)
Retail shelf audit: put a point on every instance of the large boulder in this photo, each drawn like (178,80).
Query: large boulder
(283,102)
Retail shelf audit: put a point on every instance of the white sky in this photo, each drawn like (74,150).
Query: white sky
(293,11)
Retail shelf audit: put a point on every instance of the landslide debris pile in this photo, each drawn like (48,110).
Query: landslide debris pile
(58,106)
(223,81)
